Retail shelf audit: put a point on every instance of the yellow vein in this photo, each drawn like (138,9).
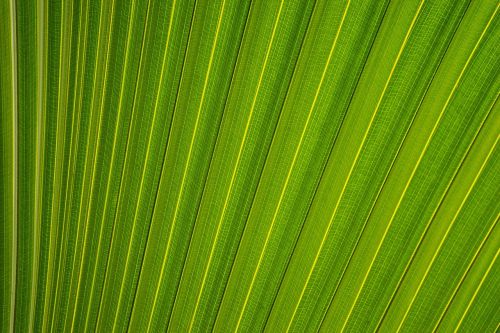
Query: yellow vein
(65,55)
(189,41)
(129,246)
(445,236)
(286,98)
(113,152)
(78,289)
(54,227)
(94,80)
(168,144)
(476,291)
(155,109)
(174,220)
(15,162)
(78,110)
(61,106)
(76,107)
(81,51)
(466,272)
(39,156)
(287,179)
(238,159)
(217,143)
(122,85)
(424,150)
(445,192)
(358,153)
(379,192)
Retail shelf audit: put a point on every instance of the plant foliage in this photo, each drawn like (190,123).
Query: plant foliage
(249,165)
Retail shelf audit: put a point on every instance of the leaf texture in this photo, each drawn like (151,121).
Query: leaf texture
(249,166)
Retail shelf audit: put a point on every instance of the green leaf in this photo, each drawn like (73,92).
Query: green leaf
(249,166)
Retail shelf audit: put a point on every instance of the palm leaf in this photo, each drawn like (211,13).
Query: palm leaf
(278,166)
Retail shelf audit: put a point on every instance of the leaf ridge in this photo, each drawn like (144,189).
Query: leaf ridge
(94,157)
(355,161)
(462,278)
(39,157)
(414,171)
(424,233)
(150,134)
(212,52)
(443,239)
(292,164)
(15,112)
(477,291)
(238,158)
